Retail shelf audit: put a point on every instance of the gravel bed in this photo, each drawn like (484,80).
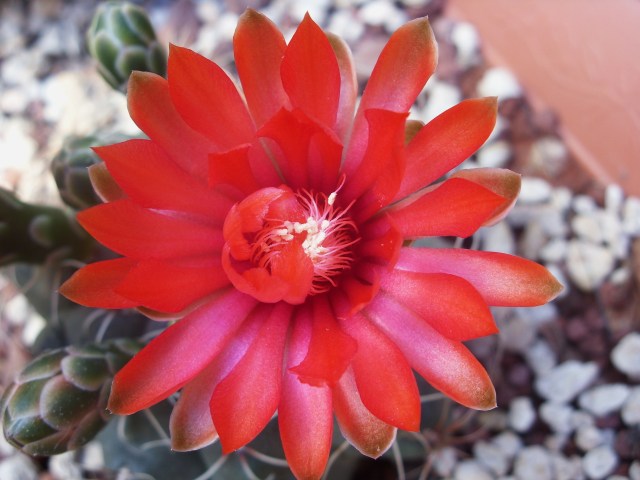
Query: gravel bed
(567,374)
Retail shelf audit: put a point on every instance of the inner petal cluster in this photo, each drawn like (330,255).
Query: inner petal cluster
(285,245)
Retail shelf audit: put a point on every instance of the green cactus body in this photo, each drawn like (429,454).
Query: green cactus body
(58,402)
(121,38)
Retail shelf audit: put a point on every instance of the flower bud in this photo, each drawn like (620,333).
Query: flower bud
(121,38)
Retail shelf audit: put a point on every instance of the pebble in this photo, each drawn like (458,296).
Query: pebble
(557,416)
(588,437)
(344,24)
(631,216)
(540,357)
(381,13)
(581,419)
(444,461)
(471,470)
(499,82)
(554,251)
(516,332)
(626,355)
(549,154)
(533,239)
(566,381)
(588,264)
(494,155)
(631,409)
(18,467)
(634,470)
(613,198)
(522,414)
(561,199)
(442,96)
(586,226)
(508,442)
(604,399)
(491,456)
(566,468)
(499,238)
(64,467)
(584,204)
(599,462)
(533,463)
(467,42)
(534,190)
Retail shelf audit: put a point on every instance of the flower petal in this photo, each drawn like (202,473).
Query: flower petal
(366,432)
(172,286)
(307,153)
(207,99)
(151,108)
(94,285)
(385,381)
(305,412)
(449,303)
(446,141)
(191,422)
(245,400)
(330,350)
(348,86)
(446,364)
(403,68)
(258,48)
(500,181)
(457,207)
(501,279)
(151,179)
(233,168)
(178,354)
(310,73)
(130,230)
(377,178)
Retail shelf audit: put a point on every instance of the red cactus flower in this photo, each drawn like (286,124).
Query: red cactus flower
(277,225)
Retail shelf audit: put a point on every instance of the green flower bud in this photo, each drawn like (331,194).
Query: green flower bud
(58,402)
(121,38)
(70,169)
(31,233)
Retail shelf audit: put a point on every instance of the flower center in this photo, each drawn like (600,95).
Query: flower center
(285,246)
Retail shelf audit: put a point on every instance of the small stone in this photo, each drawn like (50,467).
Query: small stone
(64,467)
(534,190)
(566,468)
(599,462)
(554,250)
(471,470)
(631,216)
(540,357)
(508,442)
(631,408)
(533,240)
(589,437)
(495,420)
(581,419)
(18,467)
(494,155)
(345,24)
(549,154)
(533,462)
(381,13)
(442,96)
(561,198)
(556,442)
(613,198)
(491,456)
(499,238)
(588,264)
(604,399)
(587,227)
(553,222)
(566,381)
(626,355)
(584,204)
(444,461)
(516,333)
(499,82)
(557,416)
(634,470)
(522,414)
(467,42)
